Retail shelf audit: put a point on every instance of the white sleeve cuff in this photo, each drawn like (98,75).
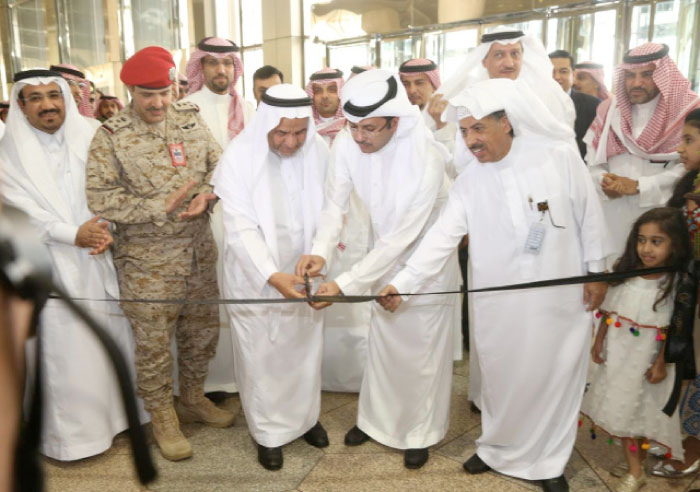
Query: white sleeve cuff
(62,232)
(596,266)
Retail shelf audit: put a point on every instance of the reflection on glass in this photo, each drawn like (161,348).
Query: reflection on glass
(395,51)
(449,49)
(251,22)
(344,57)
(673,25)
(603,44)
(154,23)
(29,33)
(83,32)
(252,60)
(639,29)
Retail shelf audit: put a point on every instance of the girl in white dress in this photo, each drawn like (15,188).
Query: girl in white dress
(630,382)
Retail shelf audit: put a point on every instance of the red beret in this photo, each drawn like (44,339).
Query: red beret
(150,68)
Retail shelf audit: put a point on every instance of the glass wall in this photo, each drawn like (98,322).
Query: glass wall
(447,49)
(395,51)
(82,32)
(29,46)
(150,23)
(345,57)
(251,44)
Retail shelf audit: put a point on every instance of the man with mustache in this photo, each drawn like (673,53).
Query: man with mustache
(512,54)
(43,154)
(148,172)
(531,213)
(633,140)
(421,78)
(213,70)
(391,160)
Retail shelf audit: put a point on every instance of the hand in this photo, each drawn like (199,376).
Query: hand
(436,105)
(285,282)
(173,200)
(594,294)
(657,372)
(198,206)
(597,351)
(388,298)
(614,184)
(311,264)
(94,234)
(326,289)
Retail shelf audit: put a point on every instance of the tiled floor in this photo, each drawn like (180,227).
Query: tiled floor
(226,460)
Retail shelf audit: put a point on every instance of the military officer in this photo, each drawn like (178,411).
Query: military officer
(148,172)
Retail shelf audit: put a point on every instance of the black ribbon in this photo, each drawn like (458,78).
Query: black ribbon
(580,279)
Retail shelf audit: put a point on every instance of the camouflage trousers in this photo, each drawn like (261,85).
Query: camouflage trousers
(196,328)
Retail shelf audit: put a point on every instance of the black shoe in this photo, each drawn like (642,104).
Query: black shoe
(474,408)
(415,458)
(558,484)
(317,436)
(270,458)
(475,465)
(355,437)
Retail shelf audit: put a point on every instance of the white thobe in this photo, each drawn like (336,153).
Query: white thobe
(405,394)
(83,408)
(657,175)
(444,135)
(346,326)
(532,344)
(214,110)
(276,348)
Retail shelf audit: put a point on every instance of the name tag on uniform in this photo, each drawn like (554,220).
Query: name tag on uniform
(535,238)
(177,154)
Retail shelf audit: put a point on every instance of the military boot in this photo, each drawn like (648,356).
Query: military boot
(193,406)
(173,445)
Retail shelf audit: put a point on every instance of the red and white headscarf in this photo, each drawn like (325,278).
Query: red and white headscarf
(422,65)
(218,48)
(71,72)
(358,69)
(663,131)
(106,97)
(327,76)
(595,70)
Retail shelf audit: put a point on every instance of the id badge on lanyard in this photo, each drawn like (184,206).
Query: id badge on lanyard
(177,154)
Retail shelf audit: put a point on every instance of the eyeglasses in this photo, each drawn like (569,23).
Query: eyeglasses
(38,98)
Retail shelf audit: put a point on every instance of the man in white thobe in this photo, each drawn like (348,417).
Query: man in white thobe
(531,213)
(212,72)
(270,181)
(421,78)
(345,325)
(510,54)
(397,168)
(633,140)
(43,154)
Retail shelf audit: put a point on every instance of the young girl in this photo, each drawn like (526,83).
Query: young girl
(630,381)
(686,197)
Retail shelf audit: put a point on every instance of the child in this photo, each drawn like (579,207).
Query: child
(686,196)
(630,382)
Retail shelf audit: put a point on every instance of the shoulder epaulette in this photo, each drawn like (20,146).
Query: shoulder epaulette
(115,123)
(185,106)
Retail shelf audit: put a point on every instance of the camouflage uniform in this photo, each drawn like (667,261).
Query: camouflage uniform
(129,174)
